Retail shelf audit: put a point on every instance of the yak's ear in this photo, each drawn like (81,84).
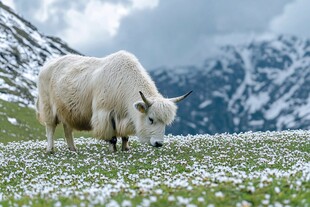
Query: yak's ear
(141,106)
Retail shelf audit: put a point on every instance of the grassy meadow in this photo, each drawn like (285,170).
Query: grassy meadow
(247,169)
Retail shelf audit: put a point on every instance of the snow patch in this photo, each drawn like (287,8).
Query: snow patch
(12,121)
(204,104)
(256,102)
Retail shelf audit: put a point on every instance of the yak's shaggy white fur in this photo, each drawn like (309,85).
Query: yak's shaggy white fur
(102,95)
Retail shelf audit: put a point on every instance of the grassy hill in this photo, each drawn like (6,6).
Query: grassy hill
(18,122)
(247,169)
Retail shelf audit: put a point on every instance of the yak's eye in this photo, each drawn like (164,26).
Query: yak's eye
(151,120)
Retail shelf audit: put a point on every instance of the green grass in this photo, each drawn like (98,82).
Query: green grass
(249,169)
(27,126)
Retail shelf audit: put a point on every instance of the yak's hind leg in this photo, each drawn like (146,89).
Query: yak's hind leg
(112,144)
(69,137)
(50,129)
(125,144)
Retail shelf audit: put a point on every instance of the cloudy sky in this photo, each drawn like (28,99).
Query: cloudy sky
(164,32)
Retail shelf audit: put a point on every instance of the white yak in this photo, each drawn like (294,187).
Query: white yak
(113,96)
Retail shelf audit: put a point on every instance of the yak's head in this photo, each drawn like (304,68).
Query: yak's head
(155,114)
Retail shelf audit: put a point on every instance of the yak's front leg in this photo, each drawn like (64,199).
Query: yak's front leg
(125,144)
(112,144)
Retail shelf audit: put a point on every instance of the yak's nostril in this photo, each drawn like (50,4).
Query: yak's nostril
(158,144)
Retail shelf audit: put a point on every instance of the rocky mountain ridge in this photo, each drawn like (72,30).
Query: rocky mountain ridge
(23,50)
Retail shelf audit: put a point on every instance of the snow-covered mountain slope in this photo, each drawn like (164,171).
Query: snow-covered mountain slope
(23,50)
(261,86)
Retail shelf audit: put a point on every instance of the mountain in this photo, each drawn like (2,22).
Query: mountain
(23,50)
(264,85)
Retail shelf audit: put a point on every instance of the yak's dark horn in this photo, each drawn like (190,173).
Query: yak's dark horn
(147,102)
(180,98)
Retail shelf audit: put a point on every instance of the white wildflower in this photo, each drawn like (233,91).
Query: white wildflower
(126,203)
(277,190)
(112,203)
(159,191)
(219,194)
(153,199)
(171,198)
(201,199)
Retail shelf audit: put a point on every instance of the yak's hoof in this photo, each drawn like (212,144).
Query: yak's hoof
(125,144)
(50,151)
(112,148)
(73,149)
(112,144)
(125,149)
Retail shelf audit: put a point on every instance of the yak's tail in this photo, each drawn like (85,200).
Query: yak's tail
(38,111)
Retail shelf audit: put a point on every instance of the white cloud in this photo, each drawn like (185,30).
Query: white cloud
(45,11)
(143,4)
(294,19)
(182,32)
(9,3)
(170,32)
(99,21)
